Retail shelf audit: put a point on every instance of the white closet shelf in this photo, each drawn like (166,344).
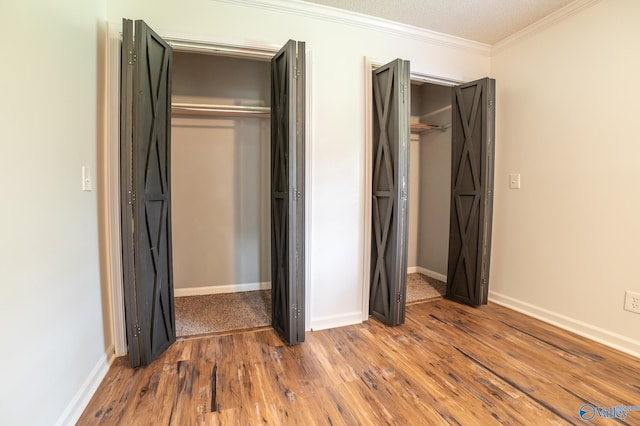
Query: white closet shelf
(220,110)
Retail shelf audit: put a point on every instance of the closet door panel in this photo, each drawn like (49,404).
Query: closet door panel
(287,191)
(472,163)
(149,305)
(389,242)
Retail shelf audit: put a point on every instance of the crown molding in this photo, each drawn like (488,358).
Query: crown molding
(559,15)
(331,14)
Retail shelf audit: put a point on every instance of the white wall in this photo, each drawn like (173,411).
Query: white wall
(435,180)
(430,181)
(414,183)
(335,286)
(55,327)
(220,177)
(565,246)
(414,197)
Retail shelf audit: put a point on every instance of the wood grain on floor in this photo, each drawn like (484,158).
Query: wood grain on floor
(448,364)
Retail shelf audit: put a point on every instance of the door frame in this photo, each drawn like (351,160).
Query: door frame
(370,65)
(109,173)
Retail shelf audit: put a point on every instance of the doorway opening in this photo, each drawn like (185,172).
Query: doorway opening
(387,185)
(220,181)
(144,306)
(429,191)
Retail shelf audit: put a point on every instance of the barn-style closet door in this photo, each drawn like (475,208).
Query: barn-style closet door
(287,191)
(146,201)
(391,114)
(472,158)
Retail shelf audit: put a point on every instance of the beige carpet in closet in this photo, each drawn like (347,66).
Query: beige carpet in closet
(220,313)
(223,313)
(420,288)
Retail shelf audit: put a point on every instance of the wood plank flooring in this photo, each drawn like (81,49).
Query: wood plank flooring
(448,364)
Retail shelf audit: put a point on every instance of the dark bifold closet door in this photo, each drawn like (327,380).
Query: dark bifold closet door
(287,191)
(146,198)
(472,157)
(391,114)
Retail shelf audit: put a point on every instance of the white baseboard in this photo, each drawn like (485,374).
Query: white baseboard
(607,338)
(427,272)
(231,288)
(336,321)
(74,410)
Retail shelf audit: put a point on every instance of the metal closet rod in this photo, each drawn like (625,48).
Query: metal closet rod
(443,127)
(424,127)
(229,110)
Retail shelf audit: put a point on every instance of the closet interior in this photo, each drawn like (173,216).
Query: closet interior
(220,183)
(429,180)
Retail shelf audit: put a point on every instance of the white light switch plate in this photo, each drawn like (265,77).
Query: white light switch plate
(514,181)
(86,179)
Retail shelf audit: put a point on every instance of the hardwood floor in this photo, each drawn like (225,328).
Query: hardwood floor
(448,364)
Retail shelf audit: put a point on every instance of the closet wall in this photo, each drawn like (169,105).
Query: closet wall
(220,177)
(430,180)
(414,181)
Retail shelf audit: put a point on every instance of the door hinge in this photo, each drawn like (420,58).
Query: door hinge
(132,57)
(131,197)
(404,191)
(403,90)
(399,297)
(296,194)
(296,72)
(490,103)
(136,330)
(295,311)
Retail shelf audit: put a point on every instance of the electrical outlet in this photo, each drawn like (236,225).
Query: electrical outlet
(632,301)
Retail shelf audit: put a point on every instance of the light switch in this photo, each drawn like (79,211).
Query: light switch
(86,179)
(514,181)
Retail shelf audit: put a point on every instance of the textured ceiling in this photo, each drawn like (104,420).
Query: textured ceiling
(484,21)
